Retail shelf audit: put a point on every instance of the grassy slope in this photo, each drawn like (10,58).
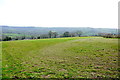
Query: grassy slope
(0,60)
(61,58)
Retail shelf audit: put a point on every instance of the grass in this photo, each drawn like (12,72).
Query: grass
(0,60)
(85,57)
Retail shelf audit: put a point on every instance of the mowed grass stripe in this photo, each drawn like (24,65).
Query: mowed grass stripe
(17,52)
(61,58)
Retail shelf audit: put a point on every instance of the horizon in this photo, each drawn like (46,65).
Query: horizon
(52,27)
(64,13)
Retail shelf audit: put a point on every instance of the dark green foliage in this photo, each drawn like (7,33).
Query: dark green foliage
(109,35)
(66,34)
(16,38)
(7,38)
(38,37)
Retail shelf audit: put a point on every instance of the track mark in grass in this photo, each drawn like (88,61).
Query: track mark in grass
(54,58)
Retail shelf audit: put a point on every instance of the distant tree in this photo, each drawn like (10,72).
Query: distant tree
(32,37)
(108,35)
(66,34)
(118,36)
(72,34)
(38,37)
(61,36)
(101,34)
(7,38)
(79,33)
(16,38)
(55,34)
(44,36)
(50,33)
(23,38)
(0,39)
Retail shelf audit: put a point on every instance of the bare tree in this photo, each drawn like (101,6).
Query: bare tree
(55,34)
(79,33)
(50,34)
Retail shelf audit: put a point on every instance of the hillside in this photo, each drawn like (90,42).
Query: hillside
(84,57)
(87,31)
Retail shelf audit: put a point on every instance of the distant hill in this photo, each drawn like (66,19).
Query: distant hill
(87,31)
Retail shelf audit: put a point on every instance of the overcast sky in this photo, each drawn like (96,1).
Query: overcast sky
(60,13)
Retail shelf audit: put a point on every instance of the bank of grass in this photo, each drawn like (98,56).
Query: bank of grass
(85,57)
(0,60)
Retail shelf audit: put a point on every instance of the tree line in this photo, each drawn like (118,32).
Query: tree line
(109,35)
(51,34)
(54,34)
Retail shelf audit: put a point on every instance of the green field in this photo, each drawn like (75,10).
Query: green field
(84,57)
